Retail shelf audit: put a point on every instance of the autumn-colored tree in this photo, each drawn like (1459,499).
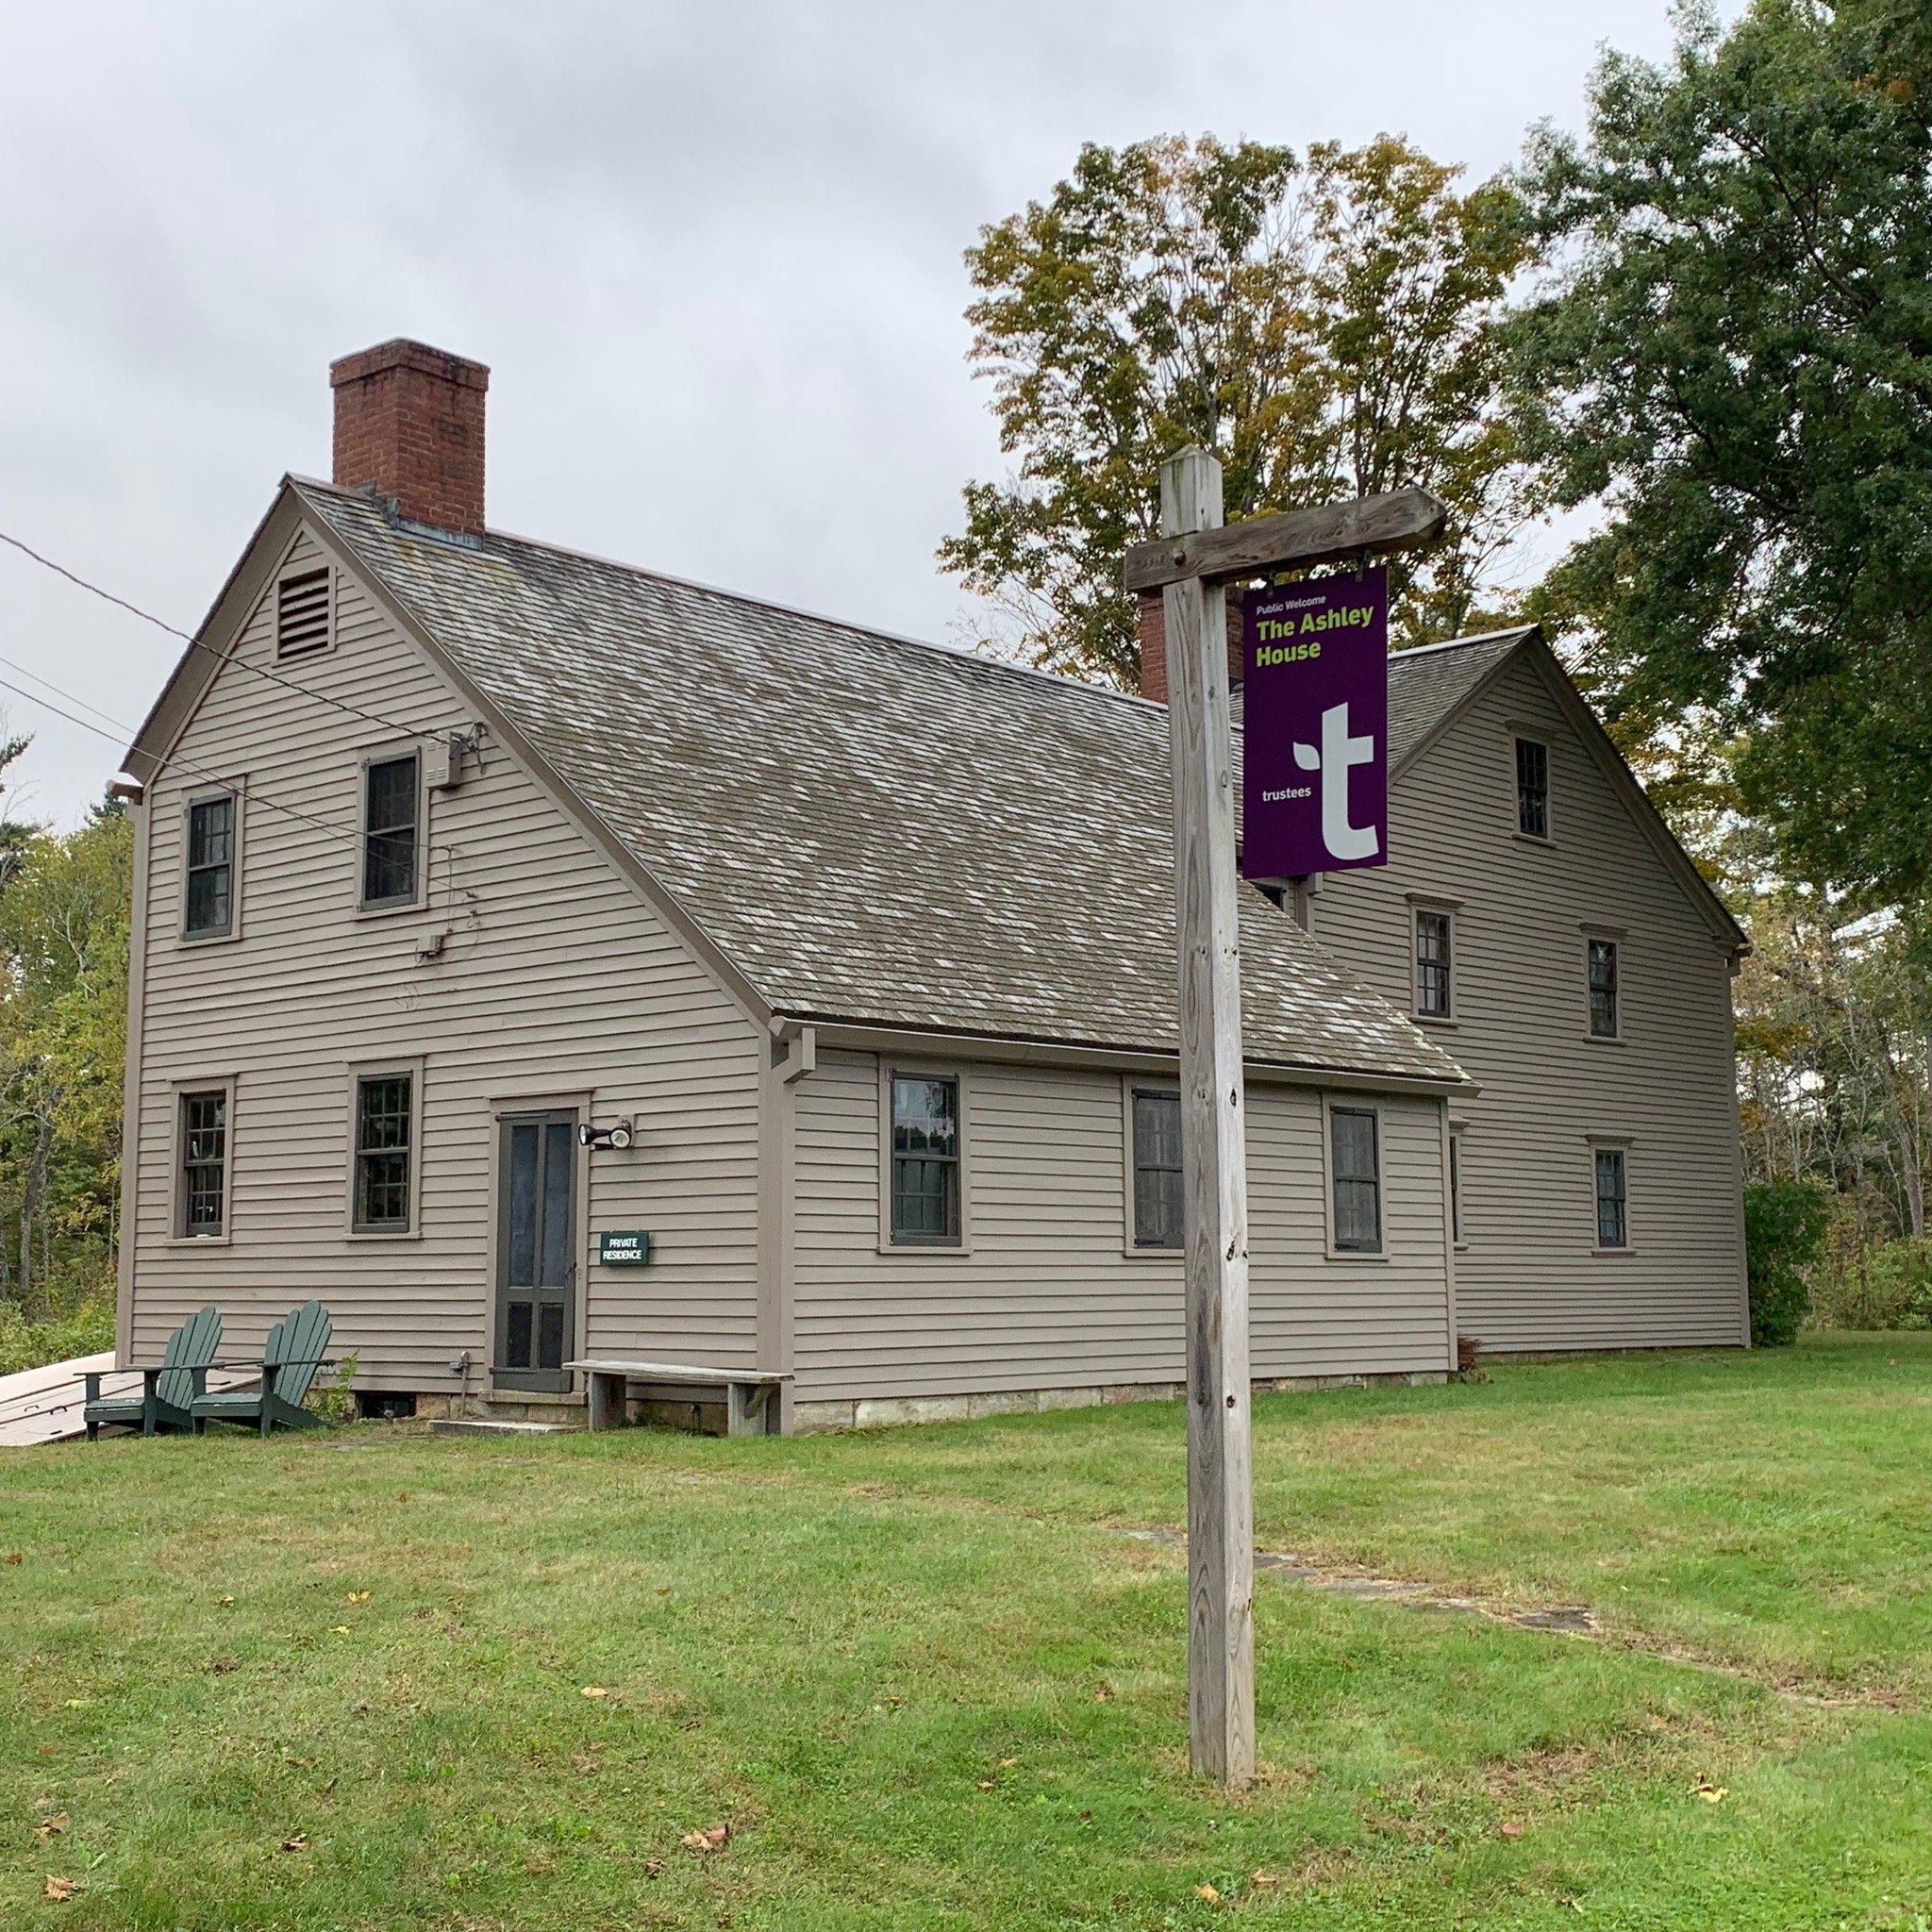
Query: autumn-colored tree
(1327,326)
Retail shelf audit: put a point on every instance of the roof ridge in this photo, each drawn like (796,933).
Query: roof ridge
(1514,631)
(1085,686)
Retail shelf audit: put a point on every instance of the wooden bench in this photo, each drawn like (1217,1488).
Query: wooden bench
(750,1407)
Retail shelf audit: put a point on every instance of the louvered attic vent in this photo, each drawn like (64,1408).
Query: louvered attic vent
(302,613)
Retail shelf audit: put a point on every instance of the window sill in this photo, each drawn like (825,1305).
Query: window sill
(1355,1254)
(945,1250)
(1542,840)
(1604,1039)
(195,940)
(199,1241)
(1448,1021)
(1613,1253)
(391,911)
(1133,1253)
(382,1234)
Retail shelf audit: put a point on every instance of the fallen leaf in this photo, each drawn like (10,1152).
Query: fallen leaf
(1207,1893)
(338,1629)
(593,1690)
(16,1557)
(1713,1794)
(986,1784)
(1007,1763)
(61,1889)
(296,1841)
(1514,1827)
(360,1597)
(1105,1695)
(76,1702)
(653,1867)
(223,1602)
(1264,1881)
(48,1828)
(712,1839)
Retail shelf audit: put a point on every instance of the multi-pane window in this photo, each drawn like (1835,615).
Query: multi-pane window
(384,1121)
(926,1159)
(390,795)
(1434,941)
(1604,1018)
(1532,787)
(1354,1159)
(1157,1169)
(211,910)
(1612,1219)
(204,1162)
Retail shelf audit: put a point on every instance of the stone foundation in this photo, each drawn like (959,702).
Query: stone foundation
(891,1411)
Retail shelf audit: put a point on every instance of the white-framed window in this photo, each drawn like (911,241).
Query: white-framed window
(1610,1179)
(211,864)
(1432,957)
(924,1158)
(393,815)
(1153,1123)
(1355,1178)
(1532,787)
(1602,985)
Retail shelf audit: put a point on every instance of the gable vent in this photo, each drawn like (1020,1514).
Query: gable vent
(302,613)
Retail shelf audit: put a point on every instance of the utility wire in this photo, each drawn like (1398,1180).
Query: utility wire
(222,656)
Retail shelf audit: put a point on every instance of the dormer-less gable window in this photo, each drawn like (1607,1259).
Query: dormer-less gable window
(208,900)
(302,613)
(392,820)
(1532,787)
(1602,972)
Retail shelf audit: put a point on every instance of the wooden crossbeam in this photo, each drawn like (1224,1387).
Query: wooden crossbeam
(1390,522)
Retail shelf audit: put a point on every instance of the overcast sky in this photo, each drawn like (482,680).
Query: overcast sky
(710,252)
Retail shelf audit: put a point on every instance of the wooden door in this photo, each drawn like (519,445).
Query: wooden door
(535,1249)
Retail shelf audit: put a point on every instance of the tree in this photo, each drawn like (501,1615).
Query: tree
(1732,359)
(1327,328)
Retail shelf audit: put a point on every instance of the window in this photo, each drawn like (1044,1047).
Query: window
(385,1136)
(204,1141)
(1604,1018)
(1612,1219)
(1157,1117)
(1532,788)
(391,793)
(302,613)
(1455,1187)
(1434,948)
(925,1182)
(1355,1165)
(211,899)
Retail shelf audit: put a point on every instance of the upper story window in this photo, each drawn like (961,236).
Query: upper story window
(1156,1156)
(385,1136)
(201,1133)
(1612,1207)
(1355,1163)
(1435,949)
(302,613)
(925,1178)
(208,910)
(1532,788)
(1605,1021)
(391,814)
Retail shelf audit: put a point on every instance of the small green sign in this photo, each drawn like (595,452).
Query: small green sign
(628,1250)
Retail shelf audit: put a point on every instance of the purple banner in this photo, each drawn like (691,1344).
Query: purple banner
(1315,725)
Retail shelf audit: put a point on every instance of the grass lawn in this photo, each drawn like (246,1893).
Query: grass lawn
(339,1681)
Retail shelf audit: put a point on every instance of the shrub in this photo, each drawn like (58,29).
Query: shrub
(1785,1223)
(1886,1287)
(84,1330)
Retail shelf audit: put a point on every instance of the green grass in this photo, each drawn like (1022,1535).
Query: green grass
(929,1683)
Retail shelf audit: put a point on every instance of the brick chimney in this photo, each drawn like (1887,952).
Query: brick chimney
(409,425)
(1153,613)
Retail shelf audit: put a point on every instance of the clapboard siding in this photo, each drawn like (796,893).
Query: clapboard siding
(1046,1297)
(557,979)
(1527,1278)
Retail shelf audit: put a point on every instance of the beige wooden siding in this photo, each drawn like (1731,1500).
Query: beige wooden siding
(1527,1278)
(1046,1297)
(556,980)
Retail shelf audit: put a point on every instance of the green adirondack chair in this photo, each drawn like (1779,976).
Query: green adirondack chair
(296,1346)
(167,1391)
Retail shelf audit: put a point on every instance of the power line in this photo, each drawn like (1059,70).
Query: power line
(224,658)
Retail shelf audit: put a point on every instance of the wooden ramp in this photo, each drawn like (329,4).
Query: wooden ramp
(44,1405)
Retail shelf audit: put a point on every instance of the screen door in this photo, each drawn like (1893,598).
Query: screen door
(535,1249)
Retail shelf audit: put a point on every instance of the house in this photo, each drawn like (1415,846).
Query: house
(536,957)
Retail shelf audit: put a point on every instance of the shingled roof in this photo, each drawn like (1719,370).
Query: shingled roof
(869,829)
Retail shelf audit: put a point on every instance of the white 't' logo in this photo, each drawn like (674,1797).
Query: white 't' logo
(1338,754)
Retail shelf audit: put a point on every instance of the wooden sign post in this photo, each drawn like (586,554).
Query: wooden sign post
(1192,562)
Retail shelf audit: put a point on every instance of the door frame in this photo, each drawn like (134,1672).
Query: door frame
(581,1101)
